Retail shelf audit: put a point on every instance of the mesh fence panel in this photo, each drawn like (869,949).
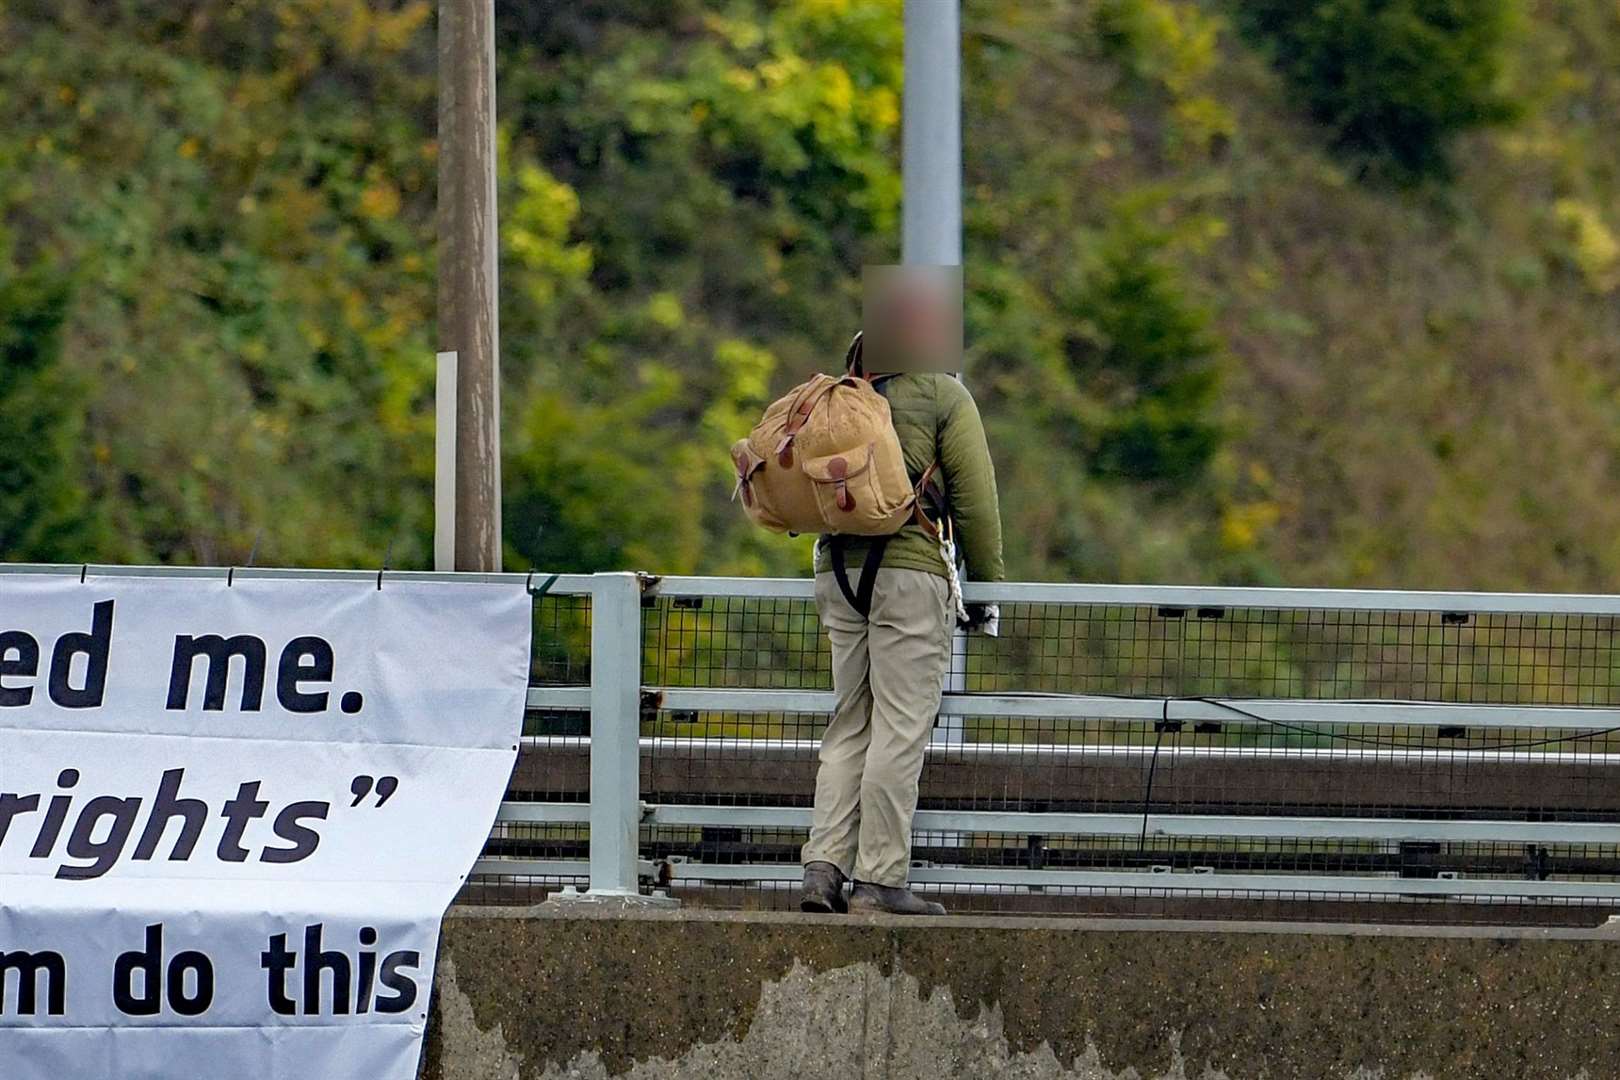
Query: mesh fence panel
(1436,656)
(1174,723)
(553,762)
(562,641)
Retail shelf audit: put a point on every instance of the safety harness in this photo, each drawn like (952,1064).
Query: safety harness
(930,512)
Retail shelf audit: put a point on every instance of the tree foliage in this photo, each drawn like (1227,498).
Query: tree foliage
(1204,352)
(1146,353)
(1392,80)
(45,511)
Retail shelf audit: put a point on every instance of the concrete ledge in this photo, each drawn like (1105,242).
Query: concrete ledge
(531,994)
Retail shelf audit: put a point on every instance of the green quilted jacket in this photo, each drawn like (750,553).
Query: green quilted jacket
(937,420)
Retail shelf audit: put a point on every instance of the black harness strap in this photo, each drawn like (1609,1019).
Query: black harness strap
(860,597)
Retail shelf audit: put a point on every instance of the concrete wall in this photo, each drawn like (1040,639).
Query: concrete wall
(530,995)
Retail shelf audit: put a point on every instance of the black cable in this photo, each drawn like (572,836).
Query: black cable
(1303,730)
(1153,767)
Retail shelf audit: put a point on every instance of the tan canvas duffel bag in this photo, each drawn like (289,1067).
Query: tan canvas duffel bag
(825,459)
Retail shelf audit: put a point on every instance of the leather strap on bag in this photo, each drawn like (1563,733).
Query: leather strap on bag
(859,597)
(798,416)
(929,498)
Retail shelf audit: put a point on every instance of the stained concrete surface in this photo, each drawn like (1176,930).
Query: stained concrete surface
(537,995)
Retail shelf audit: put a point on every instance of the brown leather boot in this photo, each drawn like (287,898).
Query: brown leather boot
(866,898)
(823,889)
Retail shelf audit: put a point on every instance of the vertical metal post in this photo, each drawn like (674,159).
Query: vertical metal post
(469,242)
(615,733)
(931,206)
(444,463)
(952,728)
(931,135)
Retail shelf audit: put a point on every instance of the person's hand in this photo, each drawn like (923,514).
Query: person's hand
(982,618)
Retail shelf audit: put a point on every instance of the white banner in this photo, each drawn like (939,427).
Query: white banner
(232,816)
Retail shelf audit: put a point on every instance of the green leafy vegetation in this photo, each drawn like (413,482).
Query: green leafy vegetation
(1392,80)
(1146,354)
(44,507)
(1205,348)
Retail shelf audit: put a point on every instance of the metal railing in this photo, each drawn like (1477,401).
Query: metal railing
(1120,747)
(1129,749)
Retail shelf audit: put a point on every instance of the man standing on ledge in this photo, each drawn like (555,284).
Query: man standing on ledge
(889,661)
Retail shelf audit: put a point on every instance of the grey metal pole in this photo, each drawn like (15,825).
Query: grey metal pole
(931,206)
(615,733)
(468,283)
(931,135)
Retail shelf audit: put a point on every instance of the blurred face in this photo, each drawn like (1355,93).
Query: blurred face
(912,318)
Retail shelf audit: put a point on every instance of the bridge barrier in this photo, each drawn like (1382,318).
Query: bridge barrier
(1123,749)
(1127,749)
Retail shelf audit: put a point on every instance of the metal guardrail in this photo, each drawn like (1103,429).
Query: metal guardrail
(1507,770)
(1119,742)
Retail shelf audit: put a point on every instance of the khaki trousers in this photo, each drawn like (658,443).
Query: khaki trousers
(888,674)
